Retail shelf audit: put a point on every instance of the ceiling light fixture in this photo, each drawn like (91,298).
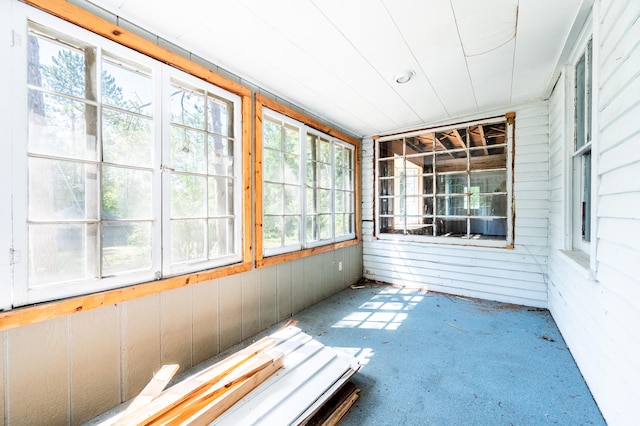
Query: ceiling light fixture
(404,76)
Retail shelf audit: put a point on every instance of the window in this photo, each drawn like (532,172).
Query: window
(582,151)
(105,192)
(308,186)
(203,178)
(282,185)
(449,184)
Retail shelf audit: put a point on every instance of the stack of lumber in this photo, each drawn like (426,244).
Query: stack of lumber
(287,378)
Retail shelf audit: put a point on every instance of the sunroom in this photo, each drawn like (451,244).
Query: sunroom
(179,177)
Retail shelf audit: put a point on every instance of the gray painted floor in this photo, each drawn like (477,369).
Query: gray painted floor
(433,359)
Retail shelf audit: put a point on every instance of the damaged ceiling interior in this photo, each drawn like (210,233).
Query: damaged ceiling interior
(340,59)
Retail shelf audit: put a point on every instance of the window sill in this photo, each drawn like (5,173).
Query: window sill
(452,241)
(287,257)
(580,262)
(26,315)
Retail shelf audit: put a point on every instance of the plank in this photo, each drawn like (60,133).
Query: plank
(196,385)
(204,408)
(153,388)
(336,407)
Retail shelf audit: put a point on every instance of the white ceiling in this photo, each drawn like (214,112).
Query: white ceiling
(338,58)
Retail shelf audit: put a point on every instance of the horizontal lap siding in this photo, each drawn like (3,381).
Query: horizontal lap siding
(510,275)
(599,316)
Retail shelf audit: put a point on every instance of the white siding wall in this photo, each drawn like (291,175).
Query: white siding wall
(510,275)
(599,317)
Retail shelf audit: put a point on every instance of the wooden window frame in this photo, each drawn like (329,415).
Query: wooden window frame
(21,316)
(261,102)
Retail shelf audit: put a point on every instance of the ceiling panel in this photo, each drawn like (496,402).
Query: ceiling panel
(337,58)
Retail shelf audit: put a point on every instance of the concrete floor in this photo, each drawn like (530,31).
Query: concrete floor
(433,359)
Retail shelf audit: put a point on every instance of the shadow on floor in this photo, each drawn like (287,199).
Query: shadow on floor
(434,359)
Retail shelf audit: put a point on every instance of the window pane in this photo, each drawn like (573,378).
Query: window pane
(586,197)
(62,190)
(272,166)
(273,198)
(272,231)
(188,196)
(386,168)
(449,227)
(324,226)
(126,247)
(61,126)
(271,134)
(487,159)
(221,242)
(340,202)
(56,67)
(188,240)
(126,193)
(61,253)
(187,108)
(581,101)
(291,139)
(126,89)
(324,175)
(451,162)
(452,184)
(495,181)
(291,168)
(220,156)
(126,139)
(493,228)
(388,149)
(220,197)
(219,120)
(451,205)
(387,186)
(291,230)
(188,150)
(291,199)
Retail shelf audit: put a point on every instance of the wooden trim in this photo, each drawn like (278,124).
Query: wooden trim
(257,150)
(261,261)
(45,311)
(82,18)
(246,179)
(276,106)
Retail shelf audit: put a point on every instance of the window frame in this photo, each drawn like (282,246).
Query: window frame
(581,252)
(82,25)
(265,106)
(581,152)
(508,242)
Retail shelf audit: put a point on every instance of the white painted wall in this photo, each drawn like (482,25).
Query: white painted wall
(515,275)
(598,311)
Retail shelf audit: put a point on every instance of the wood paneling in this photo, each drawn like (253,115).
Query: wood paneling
(95,341)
